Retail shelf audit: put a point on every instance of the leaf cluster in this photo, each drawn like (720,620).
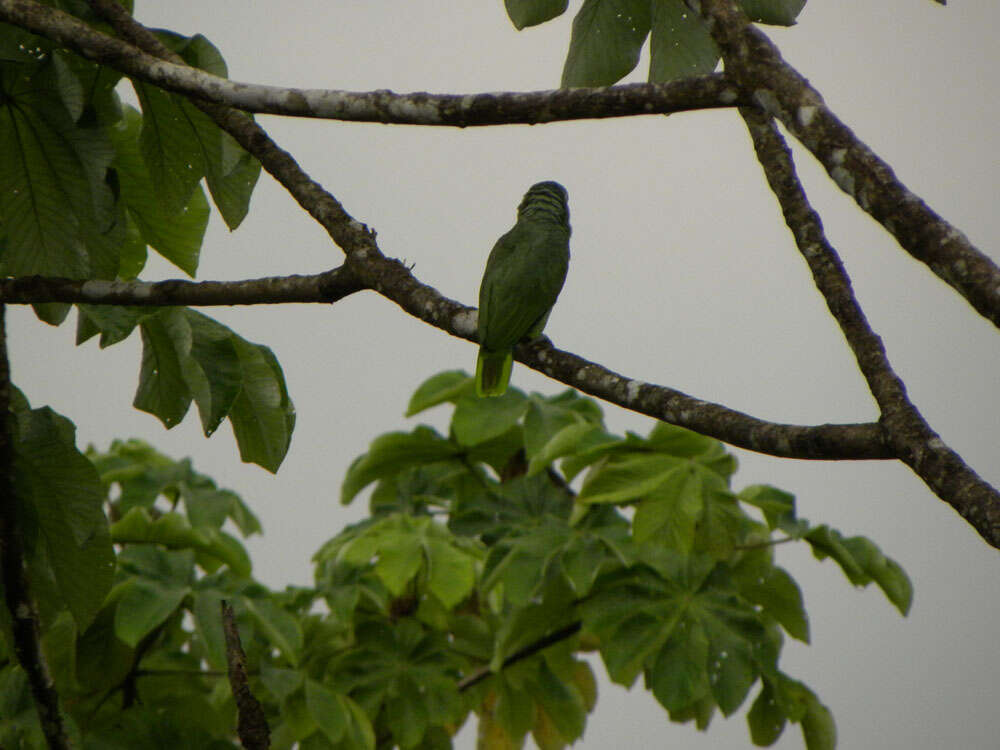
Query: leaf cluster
(495,558)
(88,183)
(608,36)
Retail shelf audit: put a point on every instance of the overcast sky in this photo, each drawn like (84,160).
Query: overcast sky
(682,274)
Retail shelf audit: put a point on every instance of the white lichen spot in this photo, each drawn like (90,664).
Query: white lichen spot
(728,96)
(466,322)
(357,226)
(580,374)
(844,179)
(767,101)
(806,115)
(838,155)
(632,389)
(936,444)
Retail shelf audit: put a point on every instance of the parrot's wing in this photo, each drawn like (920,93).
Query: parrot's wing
(523,277)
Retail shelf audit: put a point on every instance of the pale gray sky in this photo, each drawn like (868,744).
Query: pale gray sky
(682,274)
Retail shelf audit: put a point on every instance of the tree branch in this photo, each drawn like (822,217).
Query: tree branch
(419,108)
(252,727)
(327,287)
(531,649)
(17,596)
(912,439)
(393,280)
(757,66)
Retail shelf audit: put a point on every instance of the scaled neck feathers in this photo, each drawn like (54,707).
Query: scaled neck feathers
(546,201)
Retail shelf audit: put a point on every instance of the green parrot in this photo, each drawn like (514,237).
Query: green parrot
(523,277)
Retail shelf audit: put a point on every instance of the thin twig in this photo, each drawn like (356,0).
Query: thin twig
(252,727)
(531,649)
(17,594)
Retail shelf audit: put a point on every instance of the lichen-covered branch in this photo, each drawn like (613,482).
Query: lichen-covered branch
(17,596)
(911,438)
(326,287)
(458,110)
(393,280)
(756,65)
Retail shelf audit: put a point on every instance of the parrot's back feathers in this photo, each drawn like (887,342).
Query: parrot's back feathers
(524,275)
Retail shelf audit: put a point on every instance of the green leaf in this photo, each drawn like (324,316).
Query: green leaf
(671,510)
(262,415)
(524,13)
(166,347)
(732,628)
(777,12)
(53,197)
(561,703)
(115,323)
(818,729)
(231,173)
(169,145)
(144,606)
(451,573)
(477,420)
(280,626)
(827,542)
(399,559)
(213,373)
(390,453)
(619,480)
(543,421)
(678,676)
(606,40)
(680,44)
(889,576)
(437,389)
(765,718)
(59,490)
(327,709)
(175,234)
(779,596)
(777,505)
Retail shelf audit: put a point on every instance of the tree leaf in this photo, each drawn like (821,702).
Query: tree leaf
(58,487)
(166,345)
(678,676)
(437,389)
(477,420)
(52,189)
(391,452)
(327,709)
(818,729)
(175,234)
(765,718)
(213,373)
(144,606)
(620,479)
(606,40)
(524,13)
(262,415)
(680,44)
(777,12)
(281,628)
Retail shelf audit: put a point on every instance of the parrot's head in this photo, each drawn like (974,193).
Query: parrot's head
(547,201)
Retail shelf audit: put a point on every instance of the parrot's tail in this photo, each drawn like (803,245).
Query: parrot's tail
(493,372)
